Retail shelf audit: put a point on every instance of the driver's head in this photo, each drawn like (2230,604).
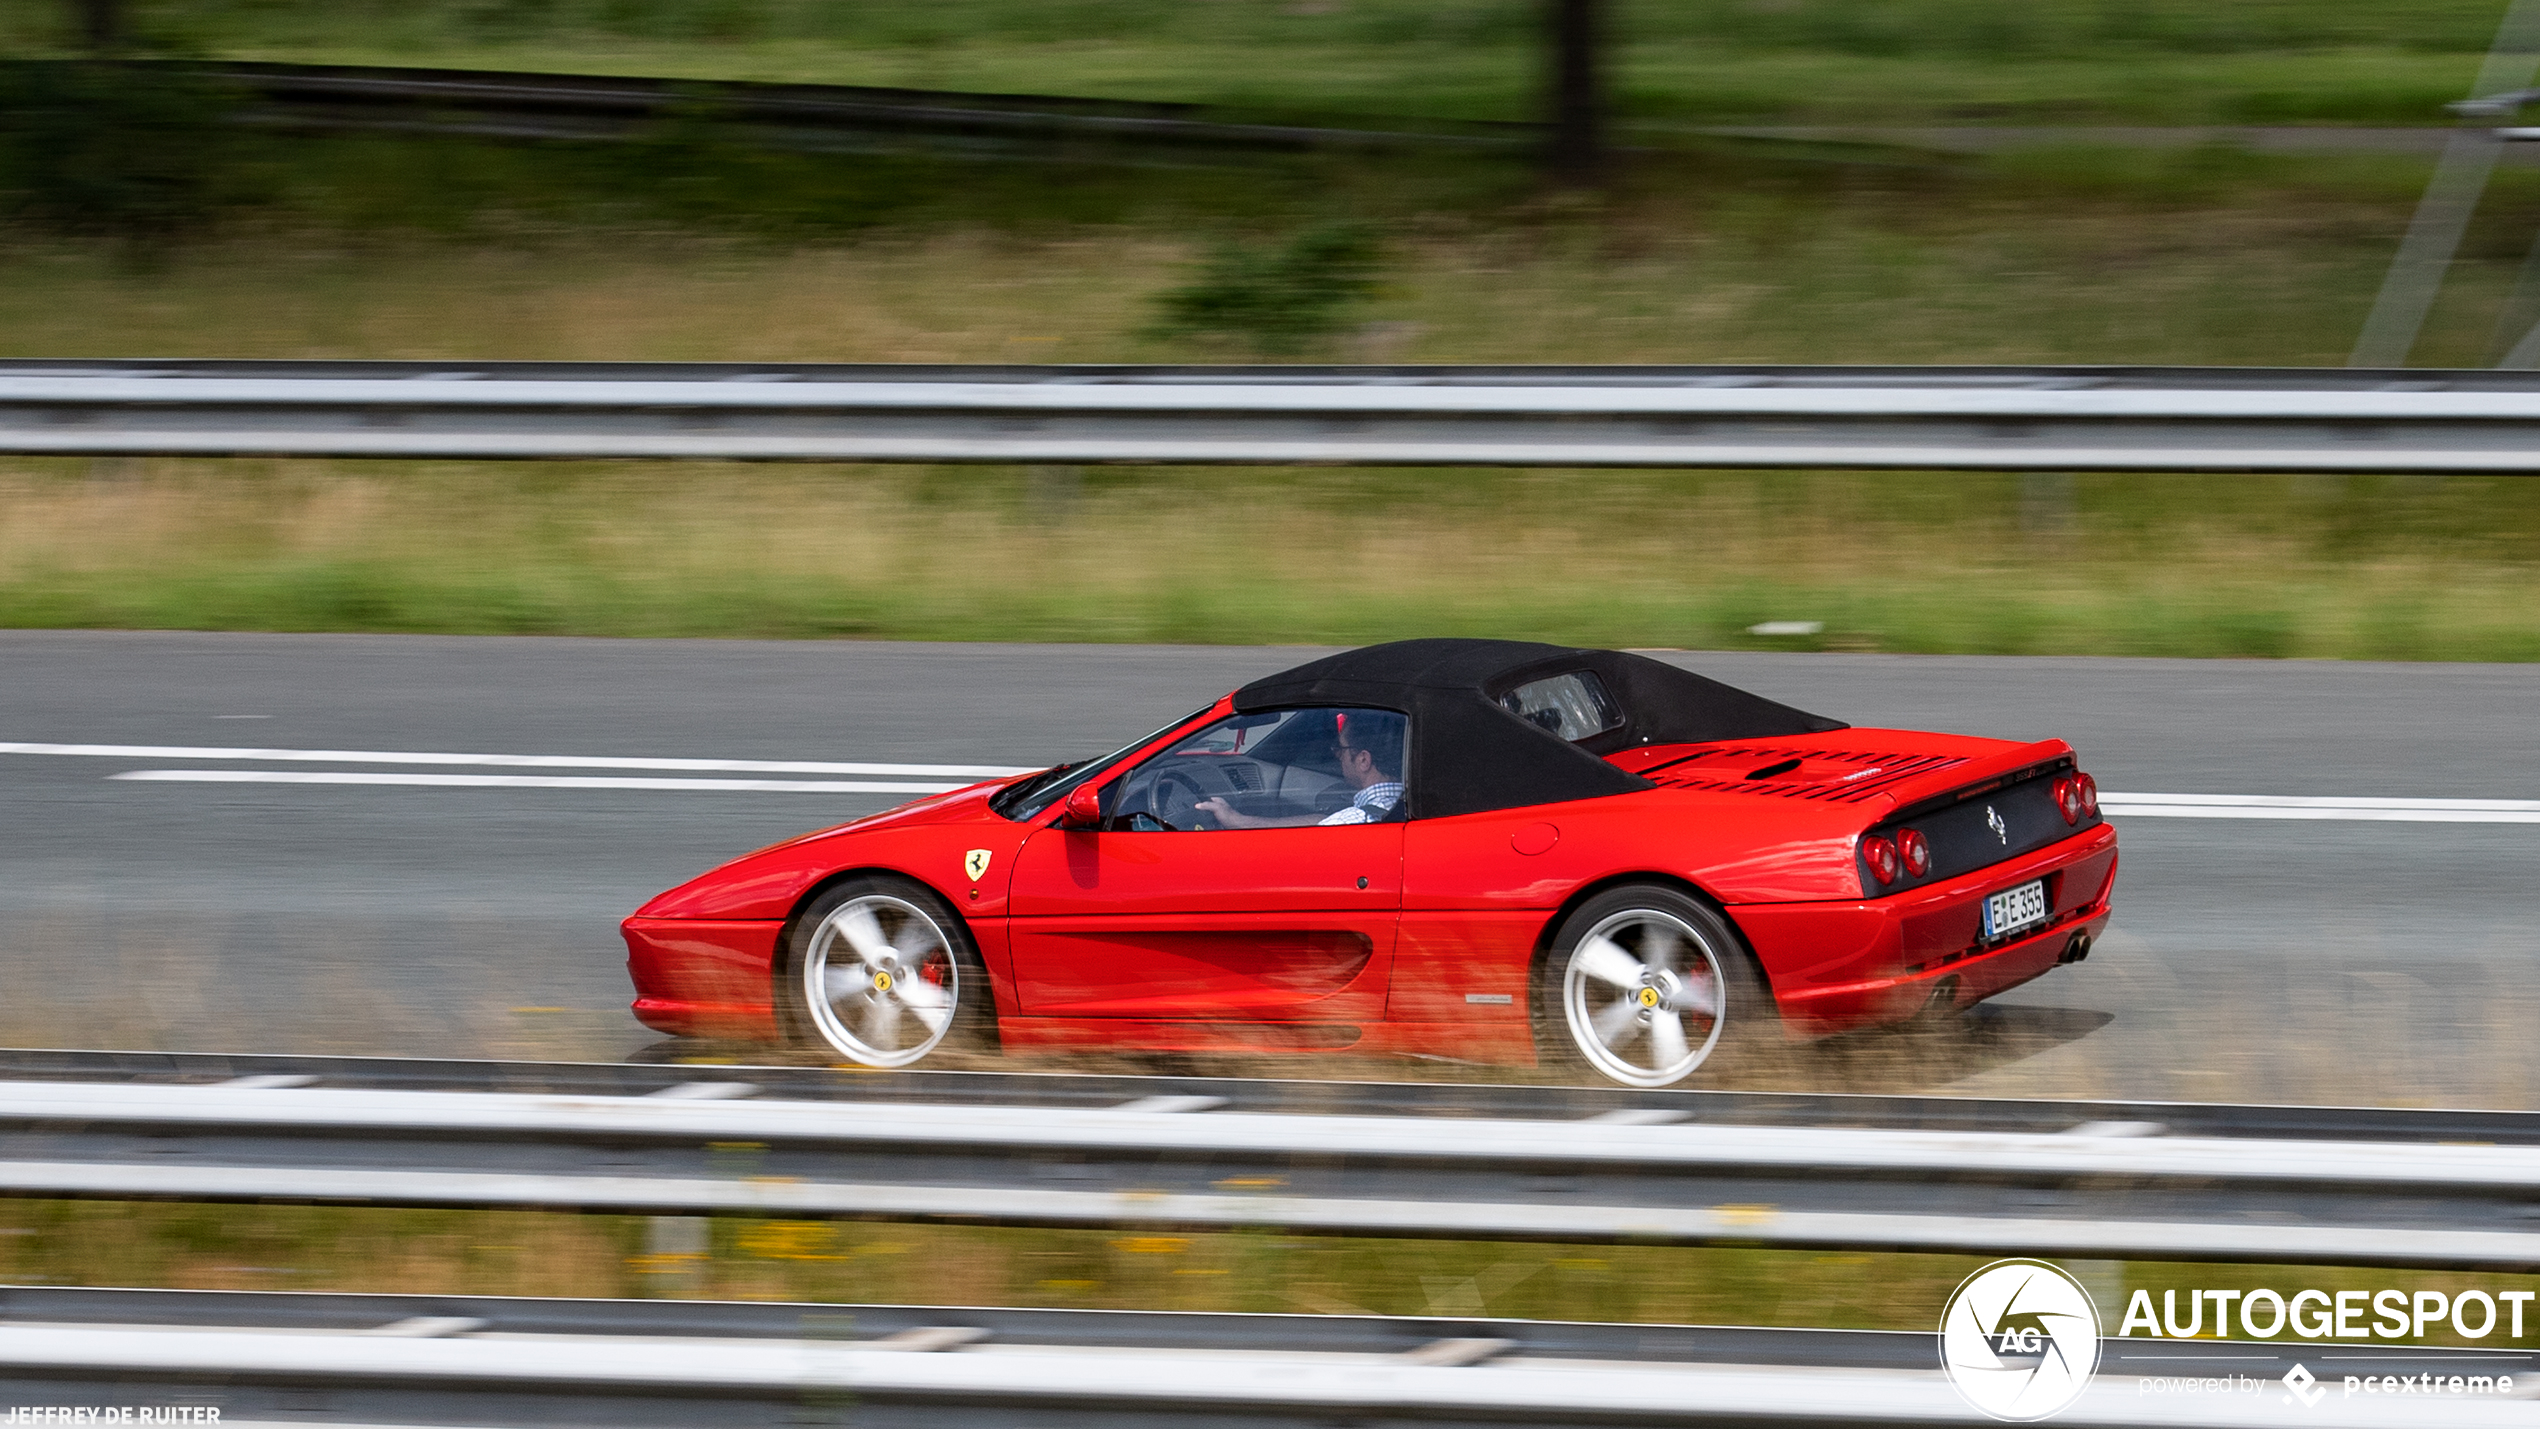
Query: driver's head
(1370,746)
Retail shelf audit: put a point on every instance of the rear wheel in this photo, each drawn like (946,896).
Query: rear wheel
(883,973)
(1645,986)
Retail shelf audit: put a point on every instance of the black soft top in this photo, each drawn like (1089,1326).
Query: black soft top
(1469,755)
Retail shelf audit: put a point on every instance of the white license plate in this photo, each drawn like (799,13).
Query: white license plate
(2014,909)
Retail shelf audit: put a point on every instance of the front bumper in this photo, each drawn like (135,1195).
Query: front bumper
(1838,966)
(697,977)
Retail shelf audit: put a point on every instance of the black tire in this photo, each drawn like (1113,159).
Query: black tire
(1666,959)
(854,986)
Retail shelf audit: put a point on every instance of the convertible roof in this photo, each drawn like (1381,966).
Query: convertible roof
(1469,755)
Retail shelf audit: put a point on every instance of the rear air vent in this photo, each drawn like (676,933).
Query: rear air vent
(1830,776)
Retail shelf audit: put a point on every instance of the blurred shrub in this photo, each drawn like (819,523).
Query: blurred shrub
(1970,29)
(506,21)
(683,19)
(2062,29)
(132,152)
(1275,299)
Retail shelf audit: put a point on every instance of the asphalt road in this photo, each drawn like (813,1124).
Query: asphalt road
(2251,960)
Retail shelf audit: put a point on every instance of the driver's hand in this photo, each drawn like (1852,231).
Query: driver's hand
(1215,806)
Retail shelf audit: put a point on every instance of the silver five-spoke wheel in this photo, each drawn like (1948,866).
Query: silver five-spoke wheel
(1643,997)
(880,980)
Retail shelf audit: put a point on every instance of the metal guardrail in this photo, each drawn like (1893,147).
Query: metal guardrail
(2130,419)
(609,108)
(429,1360)
(816,1082)
(1630,1174)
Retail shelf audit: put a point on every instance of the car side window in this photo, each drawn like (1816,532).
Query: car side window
(1572,706)
(1299,768)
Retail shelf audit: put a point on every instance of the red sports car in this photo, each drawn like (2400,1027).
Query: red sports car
(1474,849)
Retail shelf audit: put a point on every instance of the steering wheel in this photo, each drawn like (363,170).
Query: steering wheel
(1173,801)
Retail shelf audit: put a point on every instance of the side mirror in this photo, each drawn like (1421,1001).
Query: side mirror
(1083,809)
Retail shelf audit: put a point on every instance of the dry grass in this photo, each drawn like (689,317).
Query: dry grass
(153,981)
(2130,566)
(531,1253)
(2019,266)
(2006,271)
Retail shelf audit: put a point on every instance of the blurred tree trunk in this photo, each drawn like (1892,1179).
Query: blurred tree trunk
(101,23)
(1578,91)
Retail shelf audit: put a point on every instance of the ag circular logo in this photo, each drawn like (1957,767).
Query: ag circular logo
(2020,1339)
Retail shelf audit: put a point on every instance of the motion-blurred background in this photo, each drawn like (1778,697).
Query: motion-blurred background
(1372,181)
(1217,181)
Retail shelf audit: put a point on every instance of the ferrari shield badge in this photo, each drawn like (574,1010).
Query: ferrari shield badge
(975,863)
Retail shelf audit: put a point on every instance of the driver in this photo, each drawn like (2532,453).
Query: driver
(1370,749)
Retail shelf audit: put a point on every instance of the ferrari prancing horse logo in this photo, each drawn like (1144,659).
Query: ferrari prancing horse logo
(975,863)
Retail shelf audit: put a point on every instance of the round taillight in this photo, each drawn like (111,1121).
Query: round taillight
(1916,851)
(1880,855)
(2068,799)
(2089,793)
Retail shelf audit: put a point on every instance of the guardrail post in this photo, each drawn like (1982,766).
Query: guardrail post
(2046,503)
(1578,91)
(1051,491)
(2105,1280)
(678,1251)
(101,24)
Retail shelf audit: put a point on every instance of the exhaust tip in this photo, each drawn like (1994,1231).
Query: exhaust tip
(2076,950)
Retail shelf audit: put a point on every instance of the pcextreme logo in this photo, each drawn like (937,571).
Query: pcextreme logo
(2020,1339)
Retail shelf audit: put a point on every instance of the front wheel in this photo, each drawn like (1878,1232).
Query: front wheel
(883,973)
(1644,986)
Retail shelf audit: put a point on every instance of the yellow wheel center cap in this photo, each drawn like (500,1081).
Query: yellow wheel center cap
(881,982)
(1649,997)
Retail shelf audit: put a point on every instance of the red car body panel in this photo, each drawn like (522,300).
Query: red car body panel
(1271,924)
(1416,937)
(703,977)
(1847,964)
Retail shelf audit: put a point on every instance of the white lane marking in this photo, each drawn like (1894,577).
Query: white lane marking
(524,781)
(517,761)
(2357,808)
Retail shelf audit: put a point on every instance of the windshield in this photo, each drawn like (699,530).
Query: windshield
(1027,799)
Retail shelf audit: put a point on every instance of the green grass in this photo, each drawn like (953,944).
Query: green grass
(2188,566)
(682,249)
(432,1252)
(2053,61)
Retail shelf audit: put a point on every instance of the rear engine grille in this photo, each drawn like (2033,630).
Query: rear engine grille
(1876,771)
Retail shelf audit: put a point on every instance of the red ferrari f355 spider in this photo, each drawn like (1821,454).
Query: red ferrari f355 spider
(1475,849)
